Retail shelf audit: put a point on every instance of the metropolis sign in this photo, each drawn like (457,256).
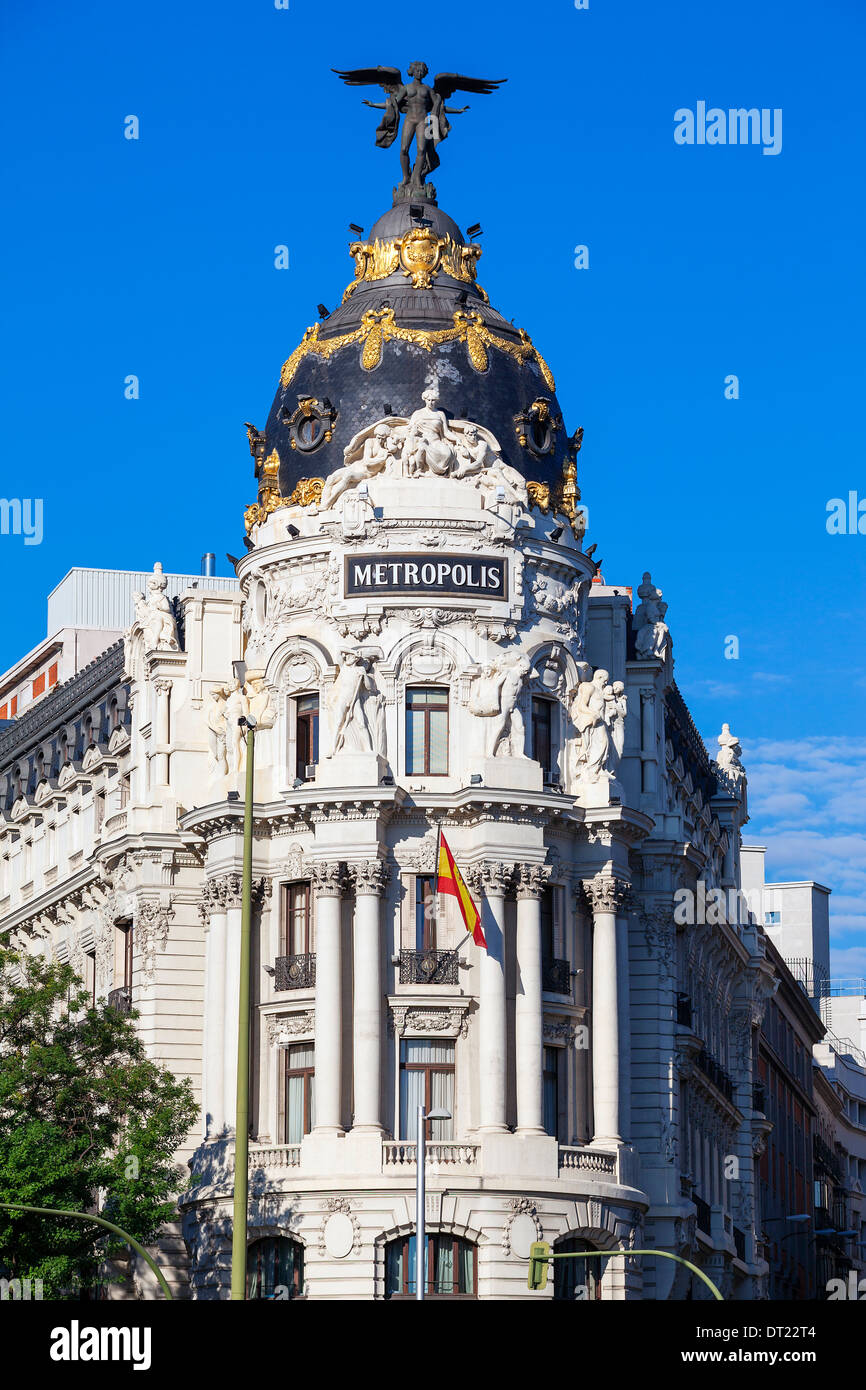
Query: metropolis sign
(478,577)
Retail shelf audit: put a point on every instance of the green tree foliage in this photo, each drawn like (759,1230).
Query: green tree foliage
(87,1121)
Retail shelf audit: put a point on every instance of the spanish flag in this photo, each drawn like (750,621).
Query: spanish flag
(450,880)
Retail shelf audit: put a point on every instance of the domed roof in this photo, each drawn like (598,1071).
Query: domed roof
(414,316)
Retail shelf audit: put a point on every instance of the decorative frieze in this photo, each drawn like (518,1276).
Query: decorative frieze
(406,1020)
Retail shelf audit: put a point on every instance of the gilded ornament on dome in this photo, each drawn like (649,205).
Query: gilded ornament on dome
(539,496)
(420,254)
(379,326)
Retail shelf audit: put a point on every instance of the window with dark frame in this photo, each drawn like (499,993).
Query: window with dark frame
(426,1078)
(550,1090)
(427,731)
(297,925)
(275,1268)
(451,1267)
(548,950)
(300,1091)
(124,954)
(307,734)
(425,912)
(542,724)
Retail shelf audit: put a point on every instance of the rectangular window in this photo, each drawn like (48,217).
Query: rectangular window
(123,955)
(307,734)
(90,975)
(427,732)
(426,1078)
(52,674)
(98,810)
(39,685)
(425,912)
(297,924)
(4,709)
(300,1091)
(551,1090)
(772,919)
(548,950)
(541,732)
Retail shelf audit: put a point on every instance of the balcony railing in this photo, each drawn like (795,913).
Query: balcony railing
(275,1156)
(400,1153)
(684,1010)
(704,1215)
(587,1160)
(556,976)
(295,972)
(120,999)
(428,968)
(716,1073)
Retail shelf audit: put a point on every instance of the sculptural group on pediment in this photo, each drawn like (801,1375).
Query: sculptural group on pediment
(598,710)
(652,633)
(426,443)
(154,619)
(229,704)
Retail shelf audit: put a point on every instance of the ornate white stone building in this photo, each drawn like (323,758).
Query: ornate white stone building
(425,645)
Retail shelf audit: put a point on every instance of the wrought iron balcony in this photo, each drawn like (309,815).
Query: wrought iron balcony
(428,968)
(295,972)
(716,1073)
(684,1010)
(120,999)
(556,976)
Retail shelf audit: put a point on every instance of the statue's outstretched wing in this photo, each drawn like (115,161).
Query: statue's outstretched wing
(447,83)
(387,78)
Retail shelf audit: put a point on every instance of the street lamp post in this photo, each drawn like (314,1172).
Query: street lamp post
(421,1195)
(242,1113)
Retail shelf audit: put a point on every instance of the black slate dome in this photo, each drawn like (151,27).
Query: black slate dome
(414,316)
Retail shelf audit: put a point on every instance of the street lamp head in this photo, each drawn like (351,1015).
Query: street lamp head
(439,1114)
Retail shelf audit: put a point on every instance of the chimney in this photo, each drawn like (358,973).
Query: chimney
(208,563)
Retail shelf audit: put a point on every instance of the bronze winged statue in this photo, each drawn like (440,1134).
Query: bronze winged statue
(425,115)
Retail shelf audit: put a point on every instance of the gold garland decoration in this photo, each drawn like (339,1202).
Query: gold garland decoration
(379,326)
(307,490)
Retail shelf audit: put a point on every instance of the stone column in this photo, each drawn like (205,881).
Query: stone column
(606,895)
(492,879)
(214,919)
(528,1003)
(232,895)
(328,885)
(371,880)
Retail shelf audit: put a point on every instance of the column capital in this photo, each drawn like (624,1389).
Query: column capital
(371,876)
(329,879)
(532,879)
(224,892)
(606,893)
(492,877)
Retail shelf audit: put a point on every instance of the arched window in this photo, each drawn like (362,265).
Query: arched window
(275,1268)
(576,1279)
(451,1265)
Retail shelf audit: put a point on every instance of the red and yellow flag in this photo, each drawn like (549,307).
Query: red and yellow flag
(450,880)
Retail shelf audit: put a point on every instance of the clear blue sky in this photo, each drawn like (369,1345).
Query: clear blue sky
(156,257)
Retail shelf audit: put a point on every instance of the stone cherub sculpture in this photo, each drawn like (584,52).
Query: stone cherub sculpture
(423,110)
(493,696)
(651,631)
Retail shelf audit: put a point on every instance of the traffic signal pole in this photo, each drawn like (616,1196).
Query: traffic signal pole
(539,1257)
